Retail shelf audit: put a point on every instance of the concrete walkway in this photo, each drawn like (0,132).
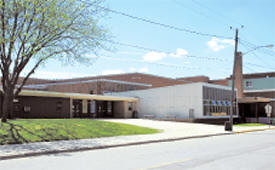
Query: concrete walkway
(170,131)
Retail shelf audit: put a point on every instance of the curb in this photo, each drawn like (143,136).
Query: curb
(33,154)
(254,130)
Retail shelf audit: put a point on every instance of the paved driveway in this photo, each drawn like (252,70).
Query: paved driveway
(173,129)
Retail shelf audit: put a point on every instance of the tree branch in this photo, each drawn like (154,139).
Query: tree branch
(18,90)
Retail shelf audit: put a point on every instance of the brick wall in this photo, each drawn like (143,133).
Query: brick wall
(42,107)
(194,79)
(96,87)
(155,81)
(223,82)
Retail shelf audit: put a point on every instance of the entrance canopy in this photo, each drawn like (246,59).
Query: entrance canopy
(254,100)
(76,96)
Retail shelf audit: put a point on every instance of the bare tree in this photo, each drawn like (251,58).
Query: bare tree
(36,30)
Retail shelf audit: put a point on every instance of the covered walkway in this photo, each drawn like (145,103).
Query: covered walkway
(251,109)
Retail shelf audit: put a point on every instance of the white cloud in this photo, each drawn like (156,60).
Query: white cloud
(154,56)
(228,41)
(143,70)
(217,44)
(106,72)
(56,75)
(214,44)
(179,53)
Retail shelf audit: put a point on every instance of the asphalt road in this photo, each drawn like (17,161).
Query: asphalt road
(255,150)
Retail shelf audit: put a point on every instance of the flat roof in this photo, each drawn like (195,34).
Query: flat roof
(37,93)
(45,85)
(259,90)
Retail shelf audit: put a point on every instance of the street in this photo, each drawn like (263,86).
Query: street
(255,150)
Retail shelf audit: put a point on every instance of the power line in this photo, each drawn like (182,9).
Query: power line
(215,12)
(201,13)
(163,25)
(174,66)
(233,20)
(257,65)
(255,55)
(251,45)
(191,9)
(249,68)
(167,52)
(252,64)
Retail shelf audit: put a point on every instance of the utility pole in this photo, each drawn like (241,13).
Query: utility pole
(233,79)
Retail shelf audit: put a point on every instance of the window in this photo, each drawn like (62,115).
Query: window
(107,92)
(248,84)
(229,103)
(15,100)
(16,105)
(91,91)
(92,107)
(216,101)
(130,88)
(59,105)
(130,106)
(27,109)
(109,107)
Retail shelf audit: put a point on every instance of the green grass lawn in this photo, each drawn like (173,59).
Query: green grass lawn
(250,124)
(36,130)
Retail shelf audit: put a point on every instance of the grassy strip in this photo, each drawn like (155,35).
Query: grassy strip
(250,124)
(37,130)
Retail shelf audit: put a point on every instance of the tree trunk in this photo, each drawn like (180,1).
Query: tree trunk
(7,110)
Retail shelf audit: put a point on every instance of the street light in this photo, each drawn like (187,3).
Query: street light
(264,46)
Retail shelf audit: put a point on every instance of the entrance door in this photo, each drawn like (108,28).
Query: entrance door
(77,108)
(104,109)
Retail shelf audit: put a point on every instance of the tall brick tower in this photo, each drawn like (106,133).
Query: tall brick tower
(239,74)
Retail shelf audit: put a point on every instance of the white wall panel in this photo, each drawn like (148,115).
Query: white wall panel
(168,102)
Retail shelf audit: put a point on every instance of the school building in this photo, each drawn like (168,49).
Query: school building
(44,104)
(121,95)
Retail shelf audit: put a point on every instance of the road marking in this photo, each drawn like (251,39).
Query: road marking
(165,164)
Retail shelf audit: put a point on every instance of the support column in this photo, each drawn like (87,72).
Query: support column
(71,108)
(256,114)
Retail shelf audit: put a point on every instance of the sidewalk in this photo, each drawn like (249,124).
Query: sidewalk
(244,129)
(170,131)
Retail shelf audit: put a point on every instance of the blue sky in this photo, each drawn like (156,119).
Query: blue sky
(172,47)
